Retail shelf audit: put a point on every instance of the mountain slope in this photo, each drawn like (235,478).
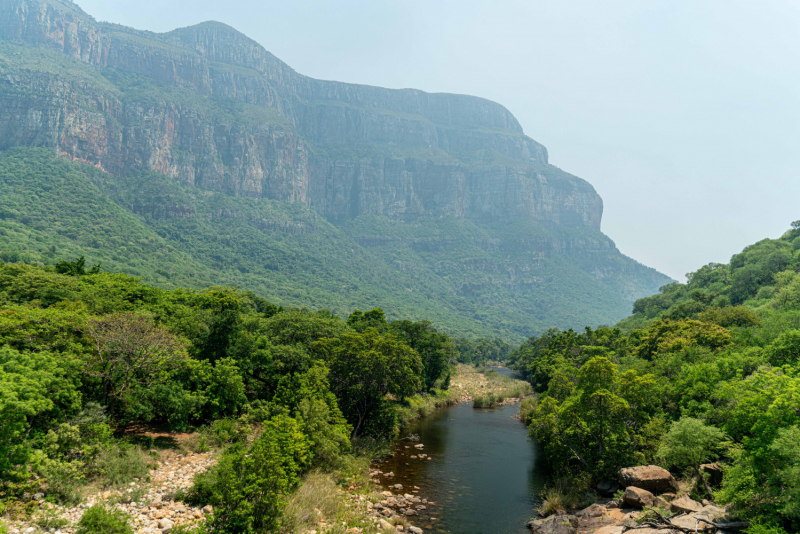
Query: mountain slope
(316,193)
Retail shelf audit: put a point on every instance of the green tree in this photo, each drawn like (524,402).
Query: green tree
(250,487)
(689,443)
(32,385)
(436,349)
(129,350)
(365,368)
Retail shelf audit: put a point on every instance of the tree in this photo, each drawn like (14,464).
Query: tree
(250,487)
(436,349)
(31,384)
(375,318)
(129,350)
(689,443)
(365,367)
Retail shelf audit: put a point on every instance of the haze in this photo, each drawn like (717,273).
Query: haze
(685,116)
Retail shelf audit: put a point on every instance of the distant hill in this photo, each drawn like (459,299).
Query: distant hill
(199,158)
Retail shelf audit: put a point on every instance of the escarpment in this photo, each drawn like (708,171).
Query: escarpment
(280,180)
(210,107)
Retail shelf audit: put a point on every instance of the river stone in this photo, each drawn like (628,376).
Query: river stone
(652,478)
(385,525)
(610,529)
(595,510)
(415,530)
(555,524)
(638,497)
(398,487)
(684,505)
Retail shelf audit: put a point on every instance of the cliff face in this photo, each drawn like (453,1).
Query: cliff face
(222,113)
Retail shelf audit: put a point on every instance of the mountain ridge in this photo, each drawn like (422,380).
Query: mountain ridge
(463,200)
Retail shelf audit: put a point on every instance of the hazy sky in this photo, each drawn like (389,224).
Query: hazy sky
(684,115)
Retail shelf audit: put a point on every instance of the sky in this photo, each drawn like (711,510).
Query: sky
(683,114)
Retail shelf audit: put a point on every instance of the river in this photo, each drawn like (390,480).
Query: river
(483,477)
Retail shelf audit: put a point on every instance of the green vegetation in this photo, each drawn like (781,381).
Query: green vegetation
(703,371)
(99,520)
(86,355)
(444,269)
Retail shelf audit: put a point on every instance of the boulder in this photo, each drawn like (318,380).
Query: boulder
(595,510)
(638,497)
(652,478)
(713,472)
(610,529)
(555,524)
(607,488)
(685,505)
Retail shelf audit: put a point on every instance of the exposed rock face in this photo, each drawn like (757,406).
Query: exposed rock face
(652,478)
(230,116)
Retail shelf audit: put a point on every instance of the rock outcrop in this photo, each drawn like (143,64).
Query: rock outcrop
(230,116)
(652,478)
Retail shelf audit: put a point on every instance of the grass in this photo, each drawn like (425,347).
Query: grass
(121,464)
(526,409)
(422,405)
(566,493)
(320,500)
(490,400)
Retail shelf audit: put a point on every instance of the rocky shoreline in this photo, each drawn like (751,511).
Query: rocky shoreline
(652,503)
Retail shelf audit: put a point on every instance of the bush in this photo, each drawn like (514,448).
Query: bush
(99,520)
(490,400)
(249,487)
(63,479)
(121,463)
(689,443)
(526,409)
(566,493)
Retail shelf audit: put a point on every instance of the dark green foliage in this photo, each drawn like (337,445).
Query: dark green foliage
(100,520)
(365,367)
(436,349)
(482,350)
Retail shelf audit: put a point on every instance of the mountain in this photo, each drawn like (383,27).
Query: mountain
(316,193)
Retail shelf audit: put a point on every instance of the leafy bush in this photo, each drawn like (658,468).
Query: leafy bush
(100,520)
(249,487)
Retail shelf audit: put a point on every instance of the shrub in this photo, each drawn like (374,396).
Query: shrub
(489,400)
(99,520)
(566,493)
(121,463)
(63,479)
(526,409)
(249,487)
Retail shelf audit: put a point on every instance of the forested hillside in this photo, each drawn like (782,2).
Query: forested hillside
(704,371)
(147,225)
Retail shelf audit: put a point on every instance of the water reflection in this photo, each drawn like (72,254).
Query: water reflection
(482,476)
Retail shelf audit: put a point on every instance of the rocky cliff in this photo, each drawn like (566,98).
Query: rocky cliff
(442,194)
(232,117)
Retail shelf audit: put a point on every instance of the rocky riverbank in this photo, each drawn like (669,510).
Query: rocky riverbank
(150,504)
(652,502)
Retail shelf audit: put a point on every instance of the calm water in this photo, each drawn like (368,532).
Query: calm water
(483,476)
